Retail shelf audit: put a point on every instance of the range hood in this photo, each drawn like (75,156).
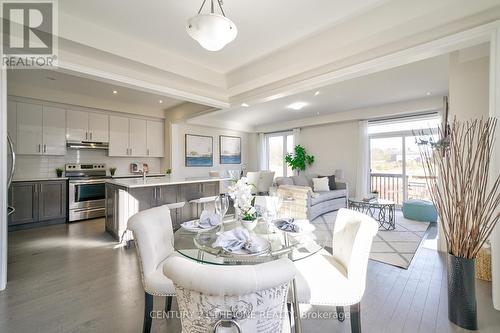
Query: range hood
(87,145)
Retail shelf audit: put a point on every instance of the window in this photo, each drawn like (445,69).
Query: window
(396,170)
(277,146)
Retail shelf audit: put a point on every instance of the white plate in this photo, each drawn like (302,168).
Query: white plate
(197,229)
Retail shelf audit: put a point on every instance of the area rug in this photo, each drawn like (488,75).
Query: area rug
(396,247)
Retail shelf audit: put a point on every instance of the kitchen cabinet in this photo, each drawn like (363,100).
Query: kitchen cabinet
(54,131)
(37,203)
(40,130)
(135,137)
(118,136)
(87,126)
(29,128)
(155,139)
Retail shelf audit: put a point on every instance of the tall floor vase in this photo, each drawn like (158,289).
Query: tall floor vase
(462,309)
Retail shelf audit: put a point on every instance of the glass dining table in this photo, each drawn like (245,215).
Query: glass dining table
(295,246)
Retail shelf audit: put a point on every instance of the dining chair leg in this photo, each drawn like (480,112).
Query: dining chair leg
(168,303)
(289,307)
(340,313)
(148,307)
(356,318)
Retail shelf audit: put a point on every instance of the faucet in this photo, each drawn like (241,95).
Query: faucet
(144,172)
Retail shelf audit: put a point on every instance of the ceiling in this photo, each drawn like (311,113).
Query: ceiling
(413,81)
(72,86)
(263,26)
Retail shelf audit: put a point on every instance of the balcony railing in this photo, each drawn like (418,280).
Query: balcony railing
(390,186)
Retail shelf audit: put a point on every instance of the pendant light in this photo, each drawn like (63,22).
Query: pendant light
(212,30)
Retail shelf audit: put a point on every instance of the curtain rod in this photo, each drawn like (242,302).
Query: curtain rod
(413,115)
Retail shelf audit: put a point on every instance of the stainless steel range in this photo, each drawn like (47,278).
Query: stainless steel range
(87,191)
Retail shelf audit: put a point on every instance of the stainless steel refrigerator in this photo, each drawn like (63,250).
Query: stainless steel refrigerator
(11,164)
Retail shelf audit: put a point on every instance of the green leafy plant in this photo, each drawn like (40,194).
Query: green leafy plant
(300,159)
(59,172)
(168,171)
(112,171)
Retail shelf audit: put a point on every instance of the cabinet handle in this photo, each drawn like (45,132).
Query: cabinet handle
(44,148)
(148,151)
(90,135)
(86,135)
(39,148)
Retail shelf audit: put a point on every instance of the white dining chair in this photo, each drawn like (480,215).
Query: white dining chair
(339,279)
(253,180)
(246,298)
(152,230)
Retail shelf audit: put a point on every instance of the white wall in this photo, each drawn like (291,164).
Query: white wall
(469,86)
(178,132)
(334,146)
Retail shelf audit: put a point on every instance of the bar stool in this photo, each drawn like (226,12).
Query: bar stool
(203,202)
(173,208)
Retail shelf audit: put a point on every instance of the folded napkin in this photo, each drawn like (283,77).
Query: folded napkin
(237,239)
(207,220)
(287,224)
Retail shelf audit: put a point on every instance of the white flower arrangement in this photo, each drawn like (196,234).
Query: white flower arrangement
(241,193)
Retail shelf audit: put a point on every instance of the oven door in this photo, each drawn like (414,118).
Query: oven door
(87,194)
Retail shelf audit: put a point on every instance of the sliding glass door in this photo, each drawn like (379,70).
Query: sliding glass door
(396,170)
(277,146)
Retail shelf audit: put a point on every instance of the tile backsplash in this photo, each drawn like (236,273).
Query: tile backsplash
(33,166)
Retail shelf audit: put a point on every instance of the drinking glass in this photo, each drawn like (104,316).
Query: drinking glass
(221,205)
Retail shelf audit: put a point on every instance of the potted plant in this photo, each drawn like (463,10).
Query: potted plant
(243,201)
(168,172)
(299,160)
(467,197)
(59,172)
(112,171)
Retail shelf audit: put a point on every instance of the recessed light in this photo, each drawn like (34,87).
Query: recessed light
(115,92)
(317,93)
(428,93)
(297,106)
(160,101)
(245,105)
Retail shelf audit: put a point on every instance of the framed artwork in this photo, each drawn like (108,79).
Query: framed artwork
(230,149)
(199,150)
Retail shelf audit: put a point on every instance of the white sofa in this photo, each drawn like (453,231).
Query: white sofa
(310,204)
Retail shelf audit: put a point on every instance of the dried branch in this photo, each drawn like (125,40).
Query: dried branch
(466,196)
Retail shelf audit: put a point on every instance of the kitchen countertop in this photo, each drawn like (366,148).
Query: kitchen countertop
(38,179)
(161,181)
(138,176)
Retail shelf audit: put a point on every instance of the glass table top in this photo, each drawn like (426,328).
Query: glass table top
(295,246)
(372,201)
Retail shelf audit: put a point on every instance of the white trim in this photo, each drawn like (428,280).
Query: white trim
(494,111)
(3,179)
(126,81)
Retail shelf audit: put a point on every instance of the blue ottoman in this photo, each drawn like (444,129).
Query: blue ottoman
(419,210)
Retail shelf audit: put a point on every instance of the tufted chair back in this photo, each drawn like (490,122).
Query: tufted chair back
(153,233)
(352,240)
(253,296)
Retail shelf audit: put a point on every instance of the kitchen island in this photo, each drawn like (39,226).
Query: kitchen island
(125,197)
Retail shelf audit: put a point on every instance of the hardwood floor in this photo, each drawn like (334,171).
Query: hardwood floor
(73,278)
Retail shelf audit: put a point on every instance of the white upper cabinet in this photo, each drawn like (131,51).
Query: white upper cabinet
(40,130)
(54,131)
(87,126)
(29,129)
(155,135)
(98,127)
(138,133)
(77,125)
(118,136)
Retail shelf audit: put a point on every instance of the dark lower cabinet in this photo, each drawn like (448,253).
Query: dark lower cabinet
(37,203)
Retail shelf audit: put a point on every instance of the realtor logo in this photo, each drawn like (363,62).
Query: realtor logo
(29,36)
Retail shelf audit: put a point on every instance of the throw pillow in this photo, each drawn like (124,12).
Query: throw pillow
(300,181)
(331,182)
(321,184)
